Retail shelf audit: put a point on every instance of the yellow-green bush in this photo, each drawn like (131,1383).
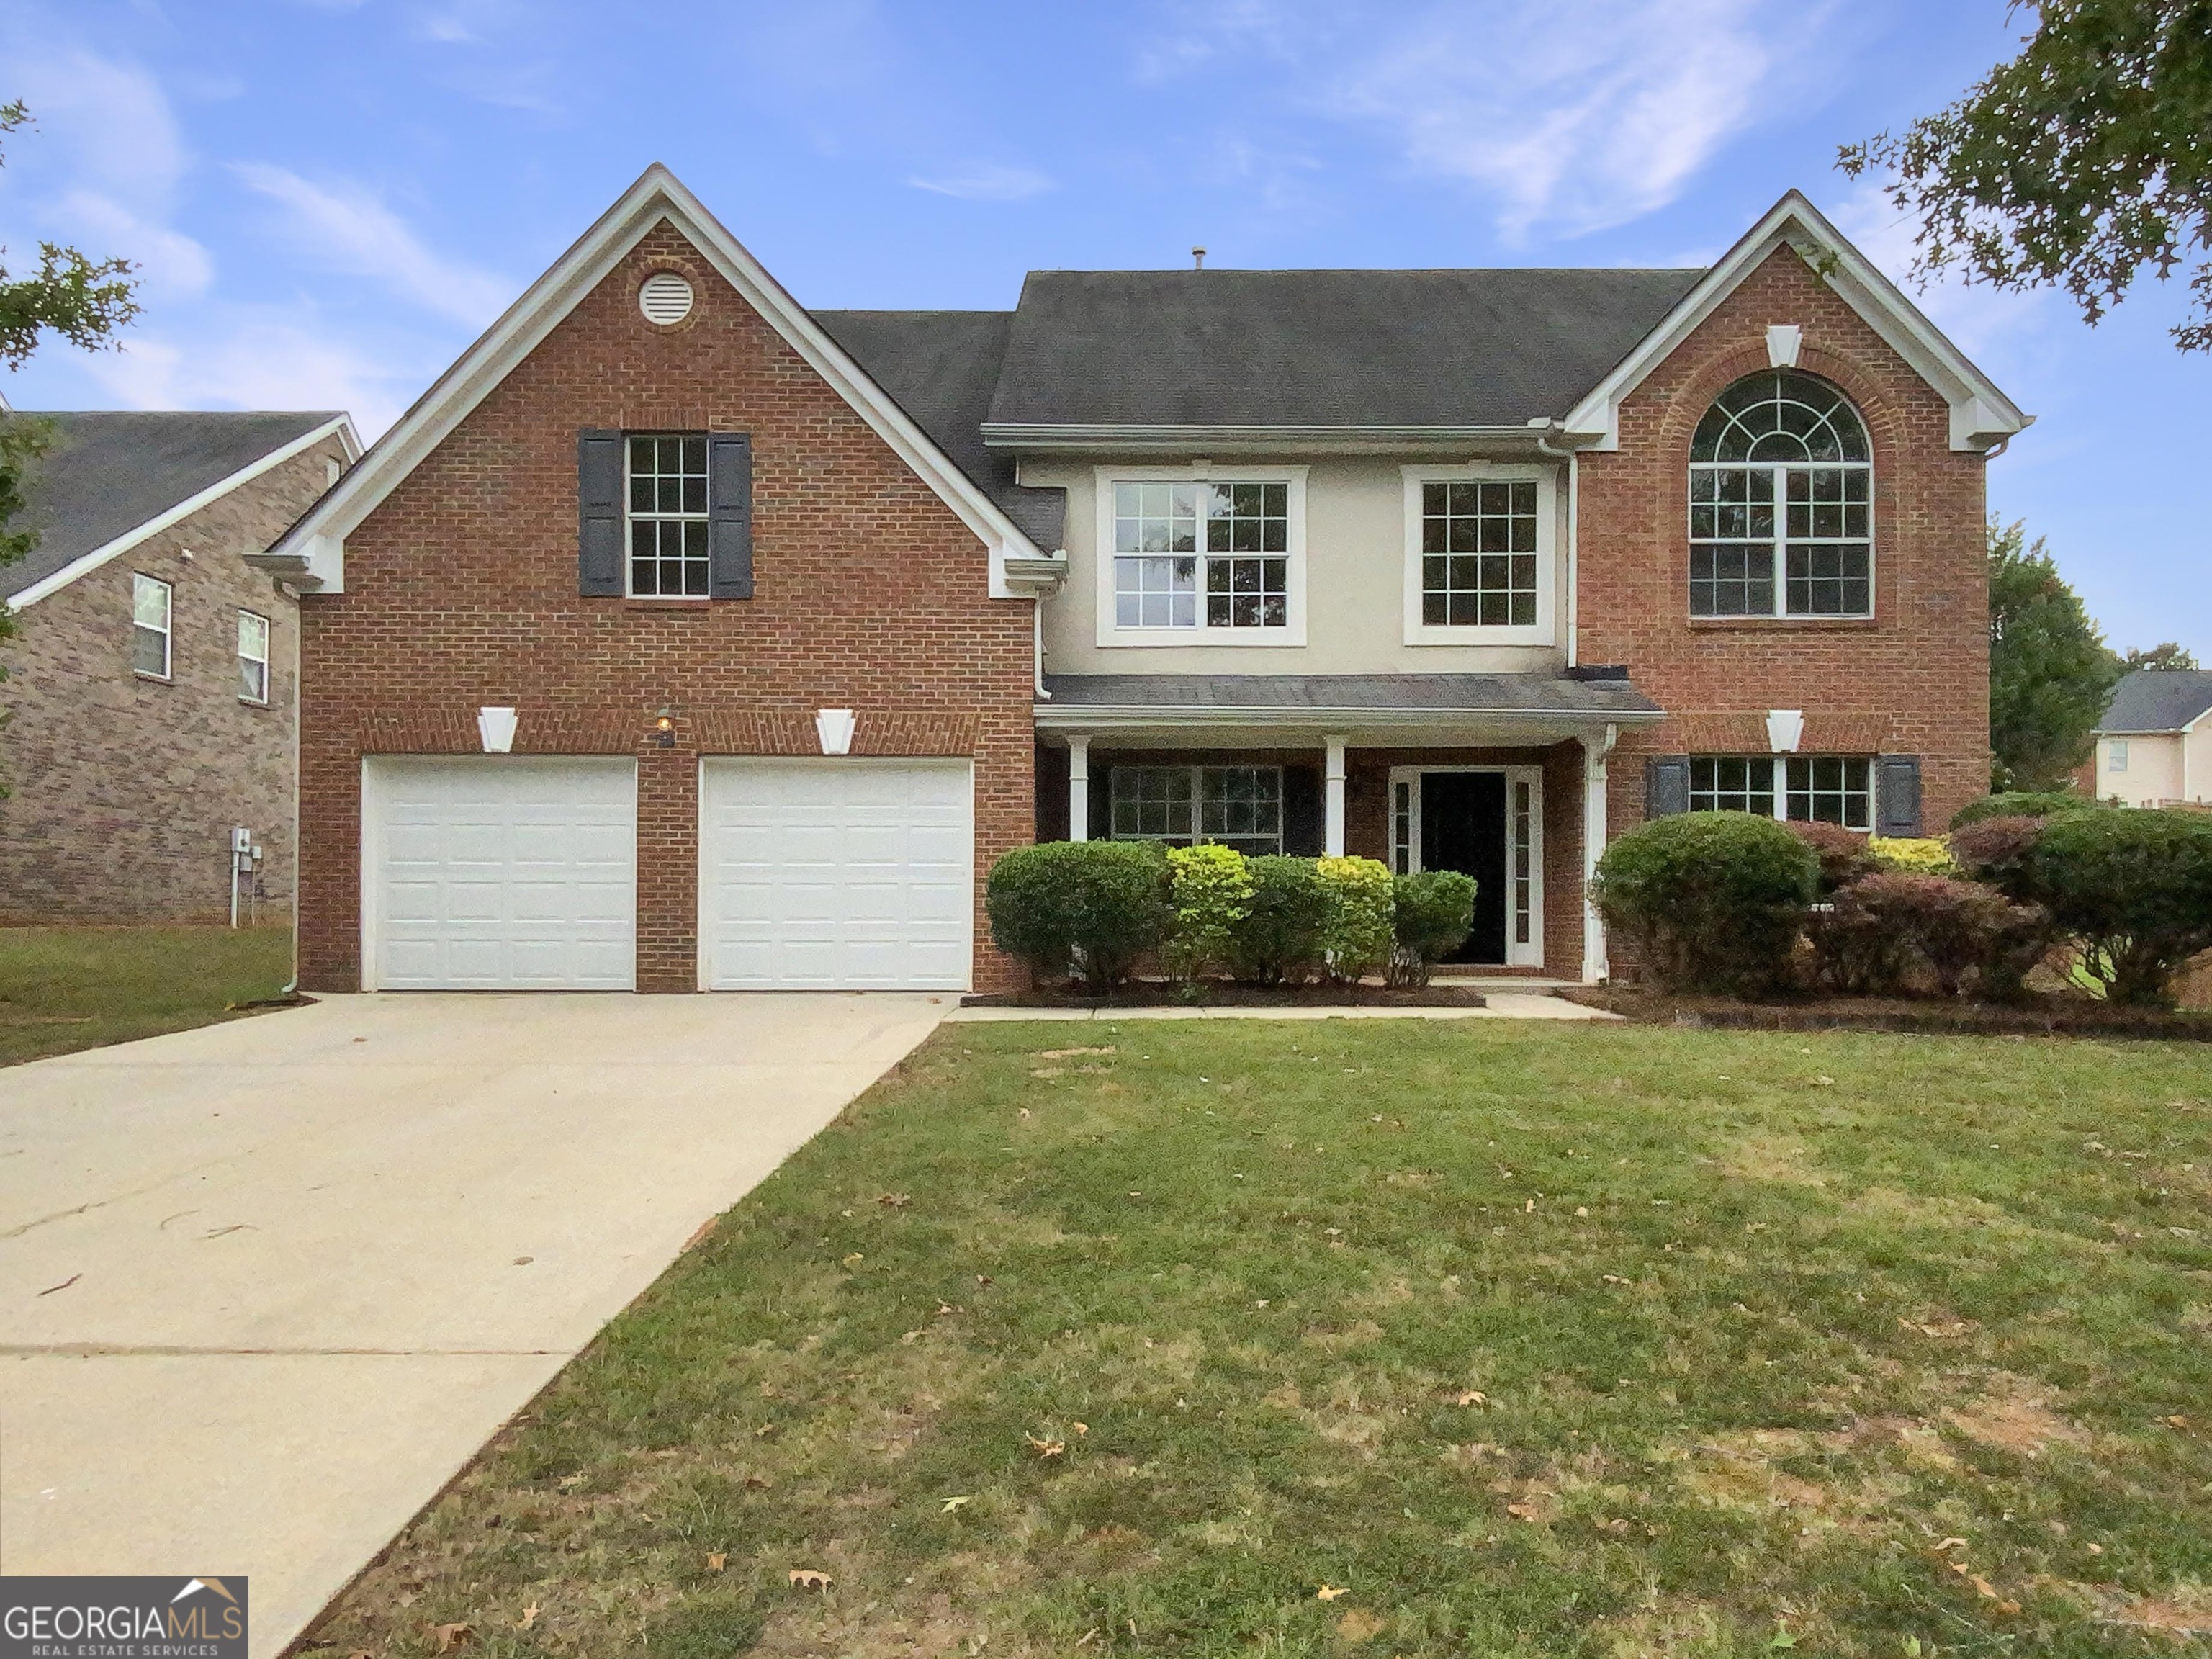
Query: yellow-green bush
(1361,903)
(1211,888)
(1914,856)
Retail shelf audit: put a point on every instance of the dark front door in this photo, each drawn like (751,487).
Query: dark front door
(1464,828)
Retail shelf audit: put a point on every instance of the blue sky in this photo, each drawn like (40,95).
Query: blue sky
(330,197)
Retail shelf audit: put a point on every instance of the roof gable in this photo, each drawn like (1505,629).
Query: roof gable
(2158,700)
(1982,417)
(115,477)
(314,548)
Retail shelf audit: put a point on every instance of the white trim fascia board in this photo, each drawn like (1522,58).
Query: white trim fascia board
(84,563)
(1187,440)
(657,194)
(1110,716)
(1981,414)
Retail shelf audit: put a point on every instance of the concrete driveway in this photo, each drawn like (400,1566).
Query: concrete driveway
(265,1287)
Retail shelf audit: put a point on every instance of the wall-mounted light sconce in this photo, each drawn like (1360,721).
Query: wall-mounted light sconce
(664,731)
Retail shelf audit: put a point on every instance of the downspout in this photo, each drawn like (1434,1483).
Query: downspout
(299,661)
(1036,646)
(1573,459)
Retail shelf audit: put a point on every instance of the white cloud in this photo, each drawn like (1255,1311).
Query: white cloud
(1572,119)
(258,360)
(112,121)
(347,229)
(989,183)
(171,265)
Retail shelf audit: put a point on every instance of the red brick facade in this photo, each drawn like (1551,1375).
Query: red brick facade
(461,592)
(1913,680)
(122,790)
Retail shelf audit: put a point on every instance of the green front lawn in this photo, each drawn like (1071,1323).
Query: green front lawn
(65,988)
(1121,1339)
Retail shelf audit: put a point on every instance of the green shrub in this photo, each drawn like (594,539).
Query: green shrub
(2022,803)
(2133,888)
(1897,927)
(1432,914)
(1916,855)
(1711,900)
(1842,853)
(1088,907)
(1279,941)
(1211,887)
(1356,939)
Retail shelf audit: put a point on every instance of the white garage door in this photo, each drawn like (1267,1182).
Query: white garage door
(501,873)
(836,874)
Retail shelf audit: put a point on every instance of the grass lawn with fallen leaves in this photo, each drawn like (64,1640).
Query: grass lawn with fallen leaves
(66,988)
(1392,1338)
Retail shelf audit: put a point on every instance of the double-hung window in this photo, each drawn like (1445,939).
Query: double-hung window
(1478,555)
(1201,560)
(1781,502)
(669,549)
(252,657)
(1239,806)
(1803,788)
(149,627)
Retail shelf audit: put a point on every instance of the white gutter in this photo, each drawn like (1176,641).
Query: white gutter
(84,563)
(1105,716)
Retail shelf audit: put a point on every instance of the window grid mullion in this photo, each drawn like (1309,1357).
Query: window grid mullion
(1780,553)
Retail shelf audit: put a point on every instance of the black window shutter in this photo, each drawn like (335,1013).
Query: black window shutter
(599,513)
(1897,795)
(1666,786)
(730,507)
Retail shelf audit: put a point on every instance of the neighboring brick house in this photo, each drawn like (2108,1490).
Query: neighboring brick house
(150,695)
(679,637)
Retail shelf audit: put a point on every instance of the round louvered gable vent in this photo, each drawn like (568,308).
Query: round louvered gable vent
(665,299)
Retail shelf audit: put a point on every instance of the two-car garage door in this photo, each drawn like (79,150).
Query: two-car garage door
(521,873)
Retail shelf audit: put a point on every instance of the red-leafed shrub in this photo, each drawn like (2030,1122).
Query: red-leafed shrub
(1842,853)
(1888,932)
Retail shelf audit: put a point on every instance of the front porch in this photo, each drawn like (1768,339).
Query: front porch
(1502,777)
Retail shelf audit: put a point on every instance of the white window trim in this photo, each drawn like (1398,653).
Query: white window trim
(629,518)
(168,630)
(2116,754)
(1293,632)
(1781,785)
(1197,769)
(1779,542)
(1517,955)
(1547,479)
(268,646)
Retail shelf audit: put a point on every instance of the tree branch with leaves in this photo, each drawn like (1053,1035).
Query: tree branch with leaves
(2079,164)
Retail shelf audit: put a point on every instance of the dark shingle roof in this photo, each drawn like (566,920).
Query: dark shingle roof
(111,470)
(1321,348)
(940,367)
(1446,693)
(2158,700)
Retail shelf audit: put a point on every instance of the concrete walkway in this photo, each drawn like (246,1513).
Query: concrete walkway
(1502,1005)
(265,1287)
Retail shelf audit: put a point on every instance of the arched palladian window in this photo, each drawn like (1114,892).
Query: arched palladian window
(1780,440)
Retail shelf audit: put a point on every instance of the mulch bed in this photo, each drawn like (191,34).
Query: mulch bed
(1157,993)
(2047,1015)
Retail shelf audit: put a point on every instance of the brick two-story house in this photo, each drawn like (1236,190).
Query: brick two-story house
(679,637)
(147,717)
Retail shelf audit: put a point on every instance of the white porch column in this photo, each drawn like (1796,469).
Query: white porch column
(1594,750)
(1332,798)
(1078,786)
